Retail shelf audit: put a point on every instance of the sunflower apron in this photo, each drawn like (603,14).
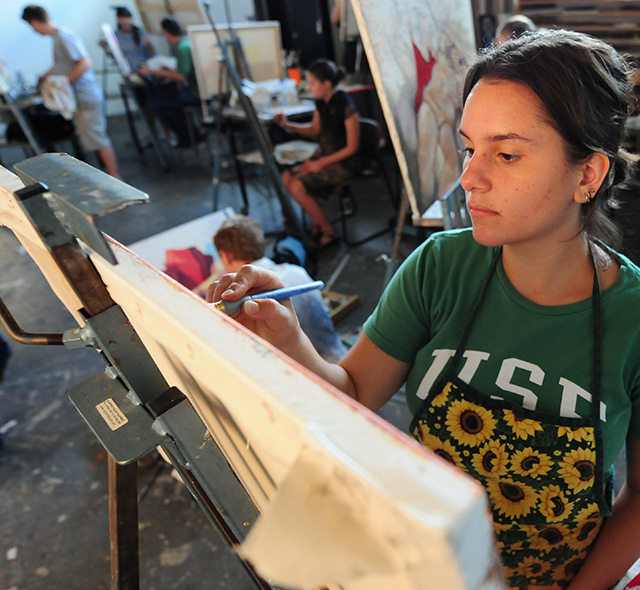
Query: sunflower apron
(543,474)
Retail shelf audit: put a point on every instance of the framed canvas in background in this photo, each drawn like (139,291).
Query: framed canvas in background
(419,51)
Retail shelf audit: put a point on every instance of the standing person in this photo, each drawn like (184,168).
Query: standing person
(134,42)
(170,109)
(71,59)
(335,122)
(240,241)
(515,26)
(518,339)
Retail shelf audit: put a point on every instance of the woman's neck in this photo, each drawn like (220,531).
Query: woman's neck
(560,275)
(327,98)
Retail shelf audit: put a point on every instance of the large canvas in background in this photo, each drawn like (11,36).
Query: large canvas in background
(419,51)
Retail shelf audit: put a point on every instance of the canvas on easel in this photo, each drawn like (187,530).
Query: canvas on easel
(261,44)
(419,51)
(187,12)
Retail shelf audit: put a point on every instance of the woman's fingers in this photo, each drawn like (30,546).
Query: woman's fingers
(248,280)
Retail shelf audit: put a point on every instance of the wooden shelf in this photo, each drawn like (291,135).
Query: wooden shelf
(613,21)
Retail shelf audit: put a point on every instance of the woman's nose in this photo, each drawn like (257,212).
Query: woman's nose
(474,173)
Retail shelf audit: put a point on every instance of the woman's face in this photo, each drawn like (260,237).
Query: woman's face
(520,187)
(124,22)
(319,90)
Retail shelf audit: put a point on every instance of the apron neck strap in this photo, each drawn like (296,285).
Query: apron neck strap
(596,365)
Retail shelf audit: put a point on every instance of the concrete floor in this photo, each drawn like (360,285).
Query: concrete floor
(53,472)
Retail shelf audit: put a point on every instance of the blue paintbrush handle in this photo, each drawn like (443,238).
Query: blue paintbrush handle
(231,307)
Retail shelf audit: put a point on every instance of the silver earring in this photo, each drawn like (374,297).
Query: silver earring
(589,194)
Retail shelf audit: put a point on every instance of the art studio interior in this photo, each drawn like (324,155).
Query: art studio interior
(151,148)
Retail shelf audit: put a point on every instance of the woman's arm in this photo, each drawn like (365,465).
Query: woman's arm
(618,545)
(352,126)
(366,373)
(310,129)
(166,73)
(151,50)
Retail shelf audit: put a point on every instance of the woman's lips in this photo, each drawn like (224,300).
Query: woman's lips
(477,211)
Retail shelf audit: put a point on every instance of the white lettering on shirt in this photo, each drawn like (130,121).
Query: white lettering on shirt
(570,394)
(473,358)
(536,375)
(441,358)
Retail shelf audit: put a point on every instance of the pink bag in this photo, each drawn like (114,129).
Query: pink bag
(189,267)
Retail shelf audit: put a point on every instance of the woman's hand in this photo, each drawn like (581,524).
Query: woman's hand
(312,166)
(280,119)
(274,321)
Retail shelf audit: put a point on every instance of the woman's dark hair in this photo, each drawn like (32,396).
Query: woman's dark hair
(324,69)
(586,89)
(124,12)
(172,26)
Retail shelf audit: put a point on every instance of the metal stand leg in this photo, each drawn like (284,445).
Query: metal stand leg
(132,127)
(239,171)
(123,525)
(148,120)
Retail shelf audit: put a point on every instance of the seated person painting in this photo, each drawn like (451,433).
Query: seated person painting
(335,122)
(519,338)
(134,42)
(168,100)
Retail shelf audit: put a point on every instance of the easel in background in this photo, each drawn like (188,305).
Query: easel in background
(8,102)
(233,75)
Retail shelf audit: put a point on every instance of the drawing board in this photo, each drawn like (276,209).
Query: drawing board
(261,43)
(114,48)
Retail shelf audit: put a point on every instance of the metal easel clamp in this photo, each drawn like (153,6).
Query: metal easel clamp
(123,427)
(77,193)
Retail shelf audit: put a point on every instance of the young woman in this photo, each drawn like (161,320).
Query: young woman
(335,122)
(134,41)
(518,340)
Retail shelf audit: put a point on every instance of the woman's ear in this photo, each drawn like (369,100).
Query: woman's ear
(594,172)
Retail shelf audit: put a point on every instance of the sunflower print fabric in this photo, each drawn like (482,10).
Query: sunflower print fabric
(540,477)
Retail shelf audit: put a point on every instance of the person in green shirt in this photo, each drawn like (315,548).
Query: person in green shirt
(168,101)
(518,339)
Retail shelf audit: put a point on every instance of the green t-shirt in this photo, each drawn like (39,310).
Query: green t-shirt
(533,355)
(185,65)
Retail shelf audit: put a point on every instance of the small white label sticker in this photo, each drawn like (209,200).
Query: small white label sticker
(112,414)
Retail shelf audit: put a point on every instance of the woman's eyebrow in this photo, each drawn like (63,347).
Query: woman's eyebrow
(501,137)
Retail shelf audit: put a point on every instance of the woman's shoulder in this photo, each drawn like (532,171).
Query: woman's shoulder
(628,279)
(454,241)
(453,250)
(342,99)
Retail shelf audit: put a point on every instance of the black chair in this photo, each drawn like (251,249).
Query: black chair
(371,165)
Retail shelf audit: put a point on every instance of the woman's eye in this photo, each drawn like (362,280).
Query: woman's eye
(508,157)
(467,151)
